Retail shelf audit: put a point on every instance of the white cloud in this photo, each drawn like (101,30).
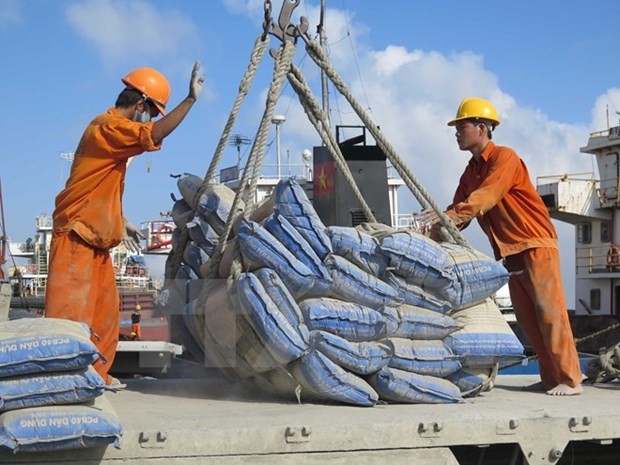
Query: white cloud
(10,12)
(118,28)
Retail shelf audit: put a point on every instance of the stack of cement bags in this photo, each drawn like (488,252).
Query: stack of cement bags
(50,395)
(353,315)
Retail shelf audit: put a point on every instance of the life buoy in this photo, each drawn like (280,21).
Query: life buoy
(613,258)
(165,228)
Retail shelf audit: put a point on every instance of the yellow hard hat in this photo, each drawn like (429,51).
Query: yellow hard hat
(138,307)
(151,83)
(474,107)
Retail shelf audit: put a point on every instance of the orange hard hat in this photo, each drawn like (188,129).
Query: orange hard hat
(152,84)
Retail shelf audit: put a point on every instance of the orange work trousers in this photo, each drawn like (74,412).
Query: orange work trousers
(538,299)
(81,286)
(136,328)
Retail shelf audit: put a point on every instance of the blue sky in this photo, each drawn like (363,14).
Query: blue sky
(550,67)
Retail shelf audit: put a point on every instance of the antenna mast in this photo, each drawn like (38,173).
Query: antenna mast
(322,39)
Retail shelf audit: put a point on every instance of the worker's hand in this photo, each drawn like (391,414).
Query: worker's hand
(131,241)
(424,221)
(196,82)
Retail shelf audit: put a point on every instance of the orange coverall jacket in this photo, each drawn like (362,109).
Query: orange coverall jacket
(498,192)
(88,221)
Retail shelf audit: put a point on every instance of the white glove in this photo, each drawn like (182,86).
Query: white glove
(196,82)
(131,241)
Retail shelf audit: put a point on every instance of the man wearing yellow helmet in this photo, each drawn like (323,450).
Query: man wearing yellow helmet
(88,218)
(496,189)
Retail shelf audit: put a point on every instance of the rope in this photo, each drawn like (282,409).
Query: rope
(281,65)
(319,120)
(260,46)
(316,52)
(578,341)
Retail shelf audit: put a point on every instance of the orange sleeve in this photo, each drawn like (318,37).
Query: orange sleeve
(488,194)
(91,202)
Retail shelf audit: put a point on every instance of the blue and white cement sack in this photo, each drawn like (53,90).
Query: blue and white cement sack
(321,376)
(171,302)
(282,340)
(292,202)
(69,387)
(283,300)
(432,358)
(43,429)
(188,186)
(397,385)
(412,294)
(202,234)
(351,283)
(472,381)
(295,243)
(252,350)
(359,248)
(485,338)
(362,358)
(477,276)
(260,249)
(418,259)
(181,213)
(195,257)
(420,323)
(351,321)
(392,319)
(215,204)
(38,345)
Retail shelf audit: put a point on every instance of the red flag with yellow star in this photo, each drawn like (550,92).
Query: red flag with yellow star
(324,178)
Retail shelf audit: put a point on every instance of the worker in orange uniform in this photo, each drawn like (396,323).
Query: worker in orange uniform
(136,328)
(88,218)
(496,189)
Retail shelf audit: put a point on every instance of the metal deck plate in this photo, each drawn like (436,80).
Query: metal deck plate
(209,421)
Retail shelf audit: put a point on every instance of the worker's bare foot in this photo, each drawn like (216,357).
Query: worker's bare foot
(536,387)
(565,390)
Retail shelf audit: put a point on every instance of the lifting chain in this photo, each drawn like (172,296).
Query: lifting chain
(268,21)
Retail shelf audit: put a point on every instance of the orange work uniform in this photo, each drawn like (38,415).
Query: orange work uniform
(88,222)
(498,192)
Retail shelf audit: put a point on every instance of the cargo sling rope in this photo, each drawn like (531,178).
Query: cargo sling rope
(316,52)
(602,369)
(282,63)
(606,367)
(260,46)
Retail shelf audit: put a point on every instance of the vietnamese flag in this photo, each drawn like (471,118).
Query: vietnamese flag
(324,178)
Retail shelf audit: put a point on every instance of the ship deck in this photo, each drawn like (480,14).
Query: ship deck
(208,421)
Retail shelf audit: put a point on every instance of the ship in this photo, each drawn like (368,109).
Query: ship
(590,203)
(28,280)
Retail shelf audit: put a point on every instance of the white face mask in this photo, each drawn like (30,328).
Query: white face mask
(143,117)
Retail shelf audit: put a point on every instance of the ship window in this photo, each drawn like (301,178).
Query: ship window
(595,299)
(584,233)
(605,231)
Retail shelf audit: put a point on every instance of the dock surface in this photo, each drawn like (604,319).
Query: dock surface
(208,421)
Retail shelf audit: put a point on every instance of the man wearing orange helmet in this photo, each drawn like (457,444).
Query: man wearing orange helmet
(495,188)
(88,218)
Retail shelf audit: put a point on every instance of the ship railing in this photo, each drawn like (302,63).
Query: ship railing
(606,190)
(611,133)
(158,235)
(401,220)
(44,222)
(598,259)
(586,176)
